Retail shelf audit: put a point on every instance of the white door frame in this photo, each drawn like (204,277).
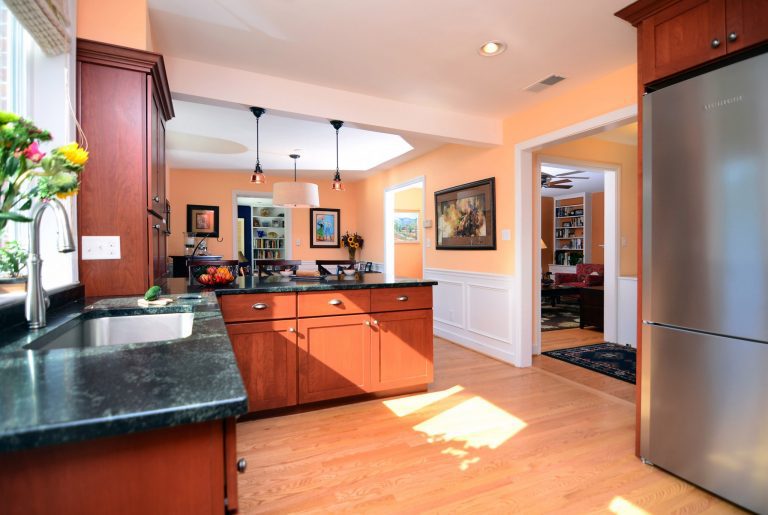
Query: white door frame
(522,316)
(389,226)
(260,194)
(612,190)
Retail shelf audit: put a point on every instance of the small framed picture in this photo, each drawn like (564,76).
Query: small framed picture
(324,228)
(407,227)
(203,220)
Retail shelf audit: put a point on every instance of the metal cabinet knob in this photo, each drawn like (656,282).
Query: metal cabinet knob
(403,298)
(156,226)
(242,465)
(259,305)
(715,43)
(155,199)
(291,330)
(733,37)
(375,322)
(367,322)
(334,302)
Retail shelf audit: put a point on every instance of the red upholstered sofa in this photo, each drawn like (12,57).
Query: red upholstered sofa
(586,275)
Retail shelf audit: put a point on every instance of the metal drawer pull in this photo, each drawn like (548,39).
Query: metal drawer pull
(242,465)
(403,298)
(259,305)
(334,302)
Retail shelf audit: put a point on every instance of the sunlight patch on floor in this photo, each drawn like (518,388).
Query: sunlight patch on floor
(476,422)
(621,506)
(413,403)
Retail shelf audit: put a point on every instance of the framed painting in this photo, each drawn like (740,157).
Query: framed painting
(324,228)
(466,216)
(203,220)
(407,227)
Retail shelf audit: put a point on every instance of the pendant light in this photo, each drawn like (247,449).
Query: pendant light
(337,184)
(295,194)
(258,175)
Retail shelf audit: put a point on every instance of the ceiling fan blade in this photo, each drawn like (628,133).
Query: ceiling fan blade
(574,177)
(567,174)
(560,187)
(564,181)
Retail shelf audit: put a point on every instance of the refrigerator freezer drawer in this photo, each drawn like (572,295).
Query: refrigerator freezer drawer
(706,413)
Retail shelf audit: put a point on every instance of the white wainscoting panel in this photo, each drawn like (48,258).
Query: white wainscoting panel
(628,311)
(474,310)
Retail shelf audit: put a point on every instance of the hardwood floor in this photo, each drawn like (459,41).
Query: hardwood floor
(566,338)
(488,437)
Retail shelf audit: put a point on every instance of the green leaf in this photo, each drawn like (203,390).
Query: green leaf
(15,217)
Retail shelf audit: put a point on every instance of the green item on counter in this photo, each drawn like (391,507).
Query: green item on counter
(153,293)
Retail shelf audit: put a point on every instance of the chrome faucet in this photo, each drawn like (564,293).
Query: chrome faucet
(37,299)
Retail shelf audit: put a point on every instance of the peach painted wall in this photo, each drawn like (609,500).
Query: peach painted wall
(594,150)
(212,187)
(452,164)
(408,256)
(119,22)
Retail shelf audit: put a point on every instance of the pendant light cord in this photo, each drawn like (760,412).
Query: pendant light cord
(258,164)
(337,150)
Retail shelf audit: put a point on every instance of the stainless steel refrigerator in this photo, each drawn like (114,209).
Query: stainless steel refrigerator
(704,399)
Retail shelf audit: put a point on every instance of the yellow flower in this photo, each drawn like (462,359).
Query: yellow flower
(65,194)
(74,153)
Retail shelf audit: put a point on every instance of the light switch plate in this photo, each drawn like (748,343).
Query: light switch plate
(506,234)
(427,224)
(100,247)
(298,242)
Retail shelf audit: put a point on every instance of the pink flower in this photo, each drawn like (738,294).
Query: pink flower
(33,153)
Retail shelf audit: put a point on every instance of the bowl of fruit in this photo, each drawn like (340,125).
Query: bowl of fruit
(214,275)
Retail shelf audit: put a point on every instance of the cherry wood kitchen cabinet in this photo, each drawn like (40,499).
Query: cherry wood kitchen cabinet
(182,470)
(266,356)
(401,349)
(678,35)
(123,102)
(334,357)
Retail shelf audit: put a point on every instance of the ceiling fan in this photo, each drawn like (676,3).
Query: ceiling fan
(557,181)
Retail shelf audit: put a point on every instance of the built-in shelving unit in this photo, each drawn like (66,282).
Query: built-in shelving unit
(572,229)
(268,233)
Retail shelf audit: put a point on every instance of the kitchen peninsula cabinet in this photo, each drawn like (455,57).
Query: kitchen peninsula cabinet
(675,36)
(123,102)
(320,343)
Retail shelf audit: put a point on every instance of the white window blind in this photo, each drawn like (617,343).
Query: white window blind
(46,21)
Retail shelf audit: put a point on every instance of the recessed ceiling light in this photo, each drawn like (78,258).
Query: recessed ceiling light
(492,48)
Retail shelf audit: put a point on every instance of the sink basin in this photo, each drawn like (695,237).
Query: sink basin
(117,330)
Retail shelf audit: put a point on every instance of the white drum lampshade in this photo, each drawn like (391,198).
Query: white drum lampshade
(295,194)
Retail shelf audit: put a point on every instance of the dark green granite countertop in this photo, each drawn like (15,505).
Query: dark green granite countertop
(278,284)
(65,395)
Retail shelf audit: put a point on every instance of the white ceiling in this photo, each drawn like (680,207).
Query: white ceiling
(422,52)
(592,184)
(224,138)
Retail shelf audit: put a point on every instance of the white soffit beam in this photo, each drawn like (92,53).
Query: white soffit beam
(193,79)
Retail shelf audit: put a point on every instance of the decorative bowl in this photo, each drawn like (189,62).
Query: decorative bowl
(286,273)
(348,271)
(212,275)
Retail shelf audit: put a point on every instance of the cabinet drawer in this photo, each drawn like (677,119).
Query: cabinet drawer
(399,299)
(323,303)
(258,306)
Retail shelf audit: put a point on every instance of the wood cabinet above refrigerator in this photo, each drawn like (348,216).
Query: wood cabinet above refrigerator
(123,102)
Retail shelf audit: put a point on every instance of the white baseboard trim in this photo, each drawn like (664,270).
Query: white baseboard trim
(468,340)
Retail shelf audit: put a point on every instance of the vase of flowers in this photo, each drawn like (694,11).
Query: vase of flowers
(352,242)
(27,173)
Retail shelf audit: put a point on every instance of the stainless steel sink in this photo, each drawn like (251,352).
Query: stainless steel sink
(118,330)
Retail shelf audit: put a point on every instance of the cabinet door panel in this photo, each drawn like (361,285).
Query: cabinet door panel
(401,351)
(748,21)
(680,37)
(266,356)
(334,357)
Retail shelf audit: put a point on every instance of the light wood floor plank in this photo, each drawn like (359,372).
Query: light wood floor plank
(506,440)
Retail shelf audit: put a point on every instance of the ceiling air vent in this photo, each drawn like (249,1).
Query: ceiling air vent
(544,83)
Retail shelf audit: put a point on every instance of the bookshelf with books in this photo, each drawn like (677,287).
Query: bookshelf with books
(572,229)
(269,233)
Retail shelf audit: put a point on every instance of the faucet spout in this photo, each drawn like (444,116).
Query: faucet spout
(37,300)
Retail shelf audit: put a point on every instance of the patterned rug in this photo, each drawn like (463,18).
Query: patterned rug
(613,360)
(562,316)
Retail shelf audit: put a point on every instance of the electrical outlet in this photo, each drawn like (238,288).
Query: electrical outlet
(100,247)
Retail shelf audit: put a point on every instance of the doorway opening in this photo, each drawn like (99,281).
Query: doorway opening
(579,206)
(404,213)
